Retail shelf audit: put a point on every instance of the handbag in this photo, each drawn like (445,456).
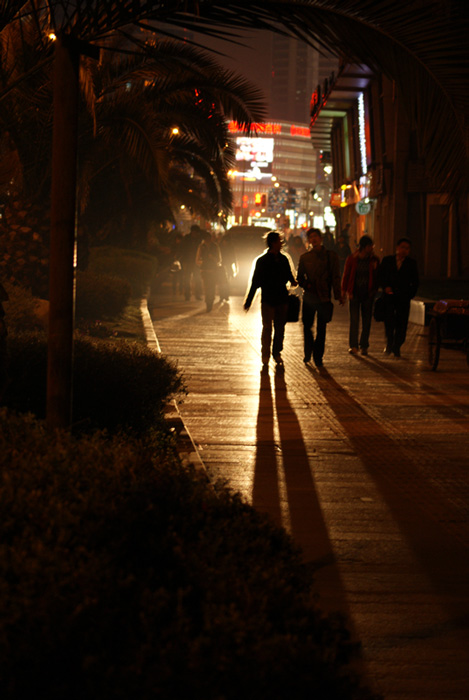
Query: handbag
(293,311)
(379,309)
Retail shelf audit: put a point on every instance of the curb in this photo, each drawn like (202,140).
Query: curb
(186,448)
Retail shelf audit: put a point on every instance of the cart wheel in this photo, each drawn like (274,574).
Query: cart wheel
(434,344)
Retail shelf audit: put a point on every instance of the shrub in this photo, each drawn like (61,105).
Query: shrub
(136,267)
(125,575)
(101,296)
(21,309)
(116,385)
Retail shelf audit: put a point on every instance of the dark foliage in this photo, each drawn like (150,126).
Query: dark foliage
(125,575)
(101,296)
(116,384)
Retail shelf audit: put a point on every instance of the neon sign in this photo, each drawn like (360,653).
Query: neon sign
(361,132)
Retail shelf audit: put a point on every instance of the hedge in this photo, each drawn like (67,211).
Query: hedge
(117,385)
(124,575)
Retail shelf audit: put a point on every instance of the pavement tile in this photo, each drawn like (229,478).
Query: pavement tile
(365,463)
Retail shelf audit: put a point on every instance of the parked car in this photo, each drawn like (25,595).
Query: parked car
(248,243)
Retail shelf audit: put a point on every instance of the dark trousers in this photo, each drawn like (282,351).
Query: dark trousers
(191,272)
(314,346)
(365,309)
(275,316)
(395,321)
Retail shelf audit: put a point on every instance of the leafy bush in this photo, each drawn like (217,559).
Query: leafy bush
(21,309)
(116,385)
(136,267)
(101,296)
(24,245)
(124,575)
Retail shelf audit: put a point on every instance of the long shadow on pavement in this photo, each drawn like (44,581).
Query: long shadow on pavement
(440,555)
(299,509)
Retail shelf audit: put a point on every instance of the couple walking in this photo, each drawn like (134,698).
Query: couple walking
(319,275)
(397,275)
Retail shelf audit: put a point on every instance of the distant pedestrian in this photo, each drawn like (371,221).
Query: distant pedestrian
(318,274)
(296,248)
(359,284)
(272,273)
(208,259)
(229,266)
(398,276)
(343,250)
(192,281)
(328,240)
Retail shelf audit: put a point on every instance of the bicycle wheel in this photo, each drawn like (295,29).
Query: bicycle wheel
(434,344)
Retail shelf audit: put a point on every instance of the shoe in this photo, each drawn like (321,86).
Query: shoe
(364,351)
(387,350)
(306,360)
(397,352)
(353,351)
(318,363)
(278,359)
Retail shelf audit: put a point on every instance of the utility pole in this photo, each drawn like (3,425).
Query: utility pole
(62,235)
(63,227)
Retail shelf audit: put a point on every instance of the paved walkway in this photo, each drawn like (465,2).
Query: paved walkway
(366,464)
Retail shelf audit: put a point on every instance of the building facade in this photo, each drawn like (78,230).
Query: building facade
(275,174)
(379,185)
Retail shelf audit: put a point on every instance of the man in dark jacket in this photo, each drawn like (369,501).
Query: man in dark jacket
(399,278)
(272,272)
(318,272)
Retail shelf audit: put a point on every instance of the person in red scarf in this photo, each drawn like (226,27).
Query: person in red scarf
(359,284)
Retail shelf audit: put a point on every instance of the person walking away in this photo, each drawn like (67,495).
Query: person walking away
(229,266)
(272,273)
(318,273)
(208,259)
(296,248)
(399,278)
(190,272)
(359,284)
(328,239)
(343,250)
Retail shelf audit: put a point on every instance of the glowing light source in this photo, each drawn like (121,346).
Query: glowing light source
(361,132)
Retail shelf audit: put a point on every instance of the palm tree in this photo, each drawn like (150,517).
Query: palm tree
(137,103)
(126,138)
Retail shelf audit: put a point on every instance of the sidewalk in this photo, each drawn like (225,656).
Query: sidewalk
(366,464)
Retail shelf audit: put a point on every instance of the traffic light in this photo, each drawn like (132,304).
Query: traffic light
(263,200)
(260,200)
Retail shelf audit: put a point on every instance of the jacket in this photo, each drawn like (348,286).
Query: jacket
(271,274)
(404,282)
(208,256)
(348,279)
(318,272)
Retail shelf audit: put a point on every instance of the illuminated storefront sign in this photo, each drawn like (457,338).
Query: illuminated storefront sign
(270,128)
(363,208)
(257,151)
(361,132)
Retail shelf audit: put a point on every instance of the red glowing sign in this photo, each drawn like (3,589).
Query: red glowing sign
(268,128)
